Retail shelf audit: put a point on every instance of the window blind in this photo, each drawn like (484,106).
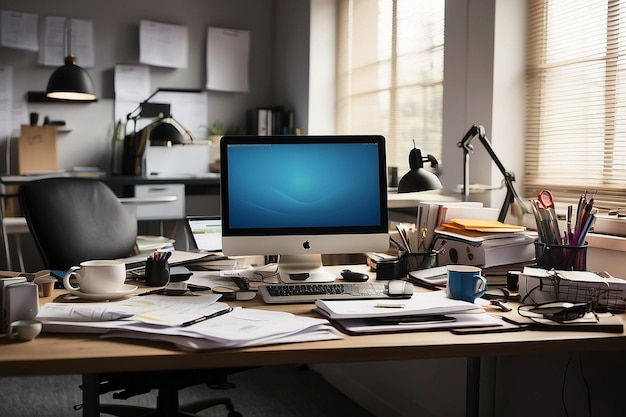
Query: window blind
(576,100)
(390,74)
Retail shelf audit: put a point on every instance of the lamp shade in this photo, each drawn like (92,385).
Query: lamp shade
(71,82)
(165,133)
(418,178)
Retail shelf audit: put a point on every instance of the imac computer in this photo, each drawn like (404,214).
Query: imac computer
(299,197)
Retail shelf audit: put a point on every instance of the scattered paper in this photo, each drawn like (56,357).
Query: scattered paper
(451,321)
(432,302)
(163,45)
(132,86)
(227,59)
(160,317)
(56,47)
(19,30)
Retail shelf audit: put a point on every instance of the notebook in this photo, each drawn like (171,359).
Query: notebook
(206,232)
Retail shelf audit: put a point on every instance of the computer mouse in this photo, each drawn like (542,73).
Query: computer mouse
(399,288)
(354,276)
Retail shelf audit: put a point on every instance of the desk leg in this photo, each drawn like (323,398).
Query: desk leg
(91,395)
(472,387)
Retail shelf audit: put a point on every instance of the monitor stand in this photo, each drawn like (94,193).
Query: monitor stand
(303,268)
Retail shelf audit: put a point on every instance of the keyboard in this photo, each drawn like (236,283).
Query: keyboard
(309,292)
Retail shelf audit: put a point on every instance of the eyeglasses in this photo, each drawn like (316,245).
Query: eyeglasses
(559,311)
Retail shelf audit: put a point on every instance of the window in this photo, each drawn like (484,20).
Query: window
(390,74)
(576,105)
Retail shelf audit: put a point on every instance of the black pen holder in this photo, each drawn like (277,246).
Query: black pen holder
(407,262)
(561,257)
(157,272)
(419,260)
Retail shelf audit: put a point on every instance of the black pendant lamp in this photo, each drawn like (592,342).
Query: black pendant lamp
(70,82)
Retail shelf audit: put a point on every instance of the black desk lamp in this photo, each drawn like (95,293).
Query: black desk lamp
(418,178)
(69,81)
(165,130)
(511,194)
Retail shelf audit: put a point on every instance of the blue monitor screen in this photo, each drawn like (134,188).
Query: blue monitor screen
(309,184)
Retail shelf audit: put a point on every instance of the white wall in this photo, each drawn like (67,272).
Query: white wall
(484,85)
(116,27)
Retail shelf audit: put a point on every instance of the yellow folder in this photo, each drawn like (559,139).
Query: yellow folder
(485,226)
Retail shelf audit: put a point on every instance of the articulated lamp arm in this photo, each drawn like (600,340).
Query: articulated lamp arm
(511,194)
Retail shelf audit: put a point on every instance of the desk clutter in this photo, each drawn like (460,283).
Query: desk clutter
(196,322)
(190,317)
(467,233)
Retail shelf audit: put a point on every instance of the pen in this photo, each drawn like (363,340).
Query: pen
(569,225)
(210,316)
(397,245)
(158,291)
(403,236)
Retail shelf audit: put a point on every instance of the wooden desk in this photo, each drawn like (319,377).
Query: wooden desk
(68,353)
(86,354)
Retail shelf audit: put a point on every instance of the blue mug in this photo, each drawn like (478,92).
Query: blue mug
(465,282)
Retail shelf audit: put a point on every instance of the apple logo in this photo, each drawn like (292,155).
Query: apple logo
(306,244)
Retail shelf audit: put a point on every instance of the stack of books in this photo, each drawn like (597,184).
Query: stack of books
(267,121)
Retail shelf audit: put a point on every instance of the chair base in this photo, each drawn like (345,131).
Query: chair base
(168,384)
(167,406)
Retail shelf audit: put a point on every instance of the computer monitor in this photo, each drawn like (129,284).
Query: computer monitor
(299,197)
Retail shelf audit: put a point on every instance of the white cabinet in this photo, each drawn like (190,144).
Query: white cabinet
(158,201)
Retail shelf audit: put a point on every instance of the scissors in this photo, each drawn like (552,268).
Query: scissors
(547,201)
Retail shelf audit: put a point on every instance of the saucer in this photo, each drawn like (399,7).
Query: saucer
(122,292)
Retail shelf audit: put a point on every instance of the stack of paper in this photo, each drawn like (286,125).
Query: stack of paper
(484,243)
(606,292)
(423,311)
(159,317)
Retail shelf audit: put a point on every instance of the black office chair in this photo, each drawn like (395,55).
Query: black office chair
(77,219)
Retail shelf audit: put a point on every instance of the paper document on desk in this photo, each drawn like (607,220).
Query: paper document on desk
(160,317)
(155,309)
(542,285)
(433,302)
(240,328)
(449,321)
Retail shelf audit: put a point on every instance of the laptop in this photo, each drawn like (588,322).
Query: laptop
(205,232)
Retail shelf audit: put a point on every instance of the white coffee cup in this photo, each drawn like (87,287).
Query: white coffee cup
(24,329)
(97,277)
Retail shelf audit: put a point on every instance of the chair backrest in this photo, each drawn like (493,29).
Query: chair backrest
(76,219)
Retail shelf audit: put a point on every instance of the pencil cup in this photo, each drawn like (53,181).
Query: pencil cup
(419,260)
(563,257)
(157,272)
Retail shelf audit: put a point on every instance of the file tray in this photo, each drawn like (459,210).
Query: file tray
(604,291)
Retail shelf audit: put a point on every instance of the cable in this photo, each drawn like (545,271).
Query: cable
(586,382)
(569,360)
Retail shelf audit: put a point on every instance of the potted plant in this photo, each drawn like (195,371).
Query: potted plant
(215,131)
